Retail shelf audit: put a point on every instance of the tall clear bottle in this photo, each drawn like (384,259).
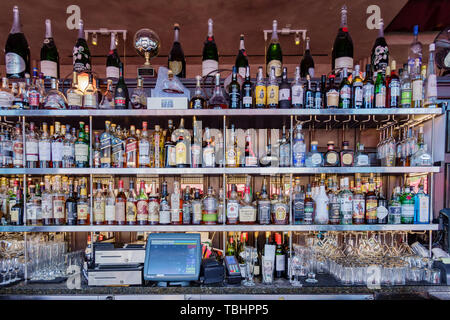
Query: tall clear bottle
(430,82)
(415,49)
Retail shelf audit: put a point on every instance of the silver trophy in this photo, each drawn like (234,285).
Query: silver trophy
(147,44)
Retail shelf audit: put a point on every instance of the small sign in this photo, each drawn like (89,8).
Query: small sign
(167,103)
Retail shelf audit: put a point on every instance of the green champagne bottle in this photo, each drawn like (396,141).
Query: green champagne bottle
(274,57)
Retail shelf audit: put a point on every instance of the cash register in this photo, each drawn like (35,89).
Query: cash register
(172,259)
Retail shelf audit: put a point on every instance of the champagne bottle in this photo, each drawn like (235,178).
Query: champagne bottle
(342,54)
(241,59)
(113,60)
(380,50)
(81,53)
(121,98)
(210,60)
(307,63)
(274,57)
(17,52)
(49,54)
(176,60)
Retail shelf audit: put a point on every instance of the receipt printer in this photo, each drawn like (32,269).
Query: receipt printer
(212,271)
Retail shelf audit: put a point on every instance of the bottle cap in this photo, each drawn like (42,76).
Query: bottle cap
(314,142)
(330,142)
(432,46)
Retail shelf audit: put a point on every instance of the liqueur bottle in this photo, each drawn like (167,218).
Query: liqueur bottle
(164,206)
(83,214)
(247,211)
(17,52)
(110,205)
(176,203)
(142,201)
(272,90)
(120,205)
(371,204)
(346,203)
(49,54)
(182,146)
(176,60)
(198,101)
(359,202)
(274,57)
(210,57)
(99,205)
(393,88)
(153,204)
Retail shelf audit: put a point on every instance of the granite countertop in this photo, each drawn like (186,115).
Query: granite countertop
(326,285)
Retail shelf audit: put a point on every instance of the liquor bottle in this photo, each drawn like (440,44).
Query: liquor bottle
(334,205)
(17,52)
(169,147)
(74,94)
(307,62)
(32,147)
(132,206)
(120,205)
(308,207)
(393,89)
(285,150)
(209,213)
(81,53)
(362,158)
(417,86)
(405,88)
(157,148)
(153,205)
(260,90)
(407,202)
(182,146)
(298,203)
(112,60)
(232,206)
(430,84)
(34,207)
(47,203)
(121,98)
(16,211)
(395,207)
(230,250)
(107,101)
(141,204)
(323,90)
(280,259)
(138,99)
(49,54)
(321,202)
(345,92)
(210,57)
(221,210)
(264,205)
(359,202)
(357,90)
(59,200)
(217,101)
(6,95)
(380,51)
(176,204)
(331,157)
(342,54)
(68,160)
(90,95)
(380,90)
(314,158)
(421,157)
(176,60)
(99,205)
(415,49)
(81,149)
(232,156)
(247,211)
(269,158)
(272,90)
(198,101)
(105,146)
(83,216)
(382,209)
(298,148)
(241,58)
(274,57)
(55,99)
(164,206)
(144,147)
(34,94)
(209,159)
(110,205)
(317,96)
(309,94)
(196,208)
(246,92)
(196,147)
(284,97)
(371,203)
(131,149)
(187,206)
(297,90)
(347,155)
(234,91)
(57,147)
(44,148)
(368,89)
(346,202)
(332,94)
(7,150)
(17,147)
(20,100)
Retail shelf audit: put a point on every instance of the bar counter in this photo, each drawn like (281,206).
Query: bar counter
(327,288)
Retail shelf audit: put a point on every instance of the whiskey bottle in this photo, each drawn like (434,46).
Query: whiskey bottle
(298,203)
(141,205)
(153,204)
(247,211)
(99,205)
(169,147)
(196,205)
(158,148)
(120,205)
(176,203)
(110,206)
(264,205)
(187,207)
(308,206)
(209,208)
(371,204)
(280,209)
(334,205)
(347,155)
(131,149)
(59,217)
(83,214)
(164,206)
(131,210)
(331,156)
(233,206)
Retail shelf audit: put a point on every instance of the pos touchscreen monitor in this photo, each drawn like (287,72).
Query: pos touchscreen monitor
(172,257)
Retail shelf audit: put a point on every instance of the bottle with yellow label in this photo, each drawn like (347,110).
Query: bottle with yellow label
(260,90)
(182,146)
(272,90)
(274,57)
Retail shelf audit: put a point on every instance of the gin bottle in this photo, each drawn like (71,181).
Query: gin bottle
(298,148)
(421,206)
(407,202)
(285,150)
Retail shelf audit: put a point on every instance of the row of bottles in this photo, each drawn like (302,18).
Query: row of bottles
(61,200)
(60,146)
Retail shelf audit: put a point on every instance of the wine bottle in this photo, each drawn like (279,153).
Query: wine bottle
(241,59)
(176,60)
(121,98)
(274,57)
(81,53)
(284,93)
(380,50)
(246,95)
(113,60)
(342,54)
(17,52)
(307,63)
(49,54)
(210,60)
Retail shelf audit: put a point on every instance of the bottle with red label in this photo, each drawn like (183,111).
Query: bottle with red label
(131,208)
(131,149)
(142,205)
(121,97)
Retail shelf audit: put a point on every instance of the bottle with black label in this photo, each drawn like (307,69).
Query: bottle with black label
(234,91)
(332,94)
(121,97)
(247,99)
(81,53)
(298,203)
(284,93)
(176,60)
